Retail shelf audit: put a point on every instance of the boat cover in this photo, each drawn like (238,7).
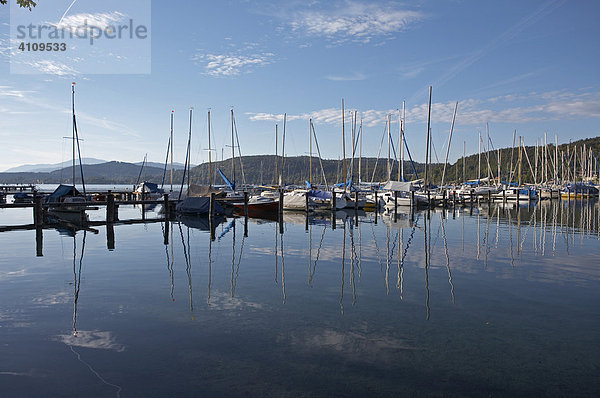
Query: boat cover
(61,192)
(196,191)
(398,186)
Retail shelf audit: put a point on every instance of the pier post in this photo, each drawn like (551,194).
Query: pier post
(333,219)
(306,203)
(38,215)
(489,197)
(110,236)
(246,204)
(504,195)
(429,198)
(333,199)
(39,241)
(306,221)
(166,206)
(355,201)
(529,197)
(376,202)
(444,201)
(413,204)
(143,205)
(166,234)
(110,207)
(472,192)
(280,202)
(211,209)
(518,196)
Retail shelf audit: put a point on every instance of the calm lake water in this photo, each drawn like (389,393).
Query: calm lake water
(476,302)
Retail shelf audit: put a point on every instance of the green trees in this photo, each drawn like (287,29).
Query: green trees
(23,3)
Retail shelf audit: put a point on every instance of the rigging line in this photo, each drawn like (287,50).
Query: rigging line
(237,139)
(119,389)
(378,154)
(318,253)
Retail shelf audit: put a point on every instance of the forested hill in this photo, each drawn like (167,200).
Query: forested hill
(263,169)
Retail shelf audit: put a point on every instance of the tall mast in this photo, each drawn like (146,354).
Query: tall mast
(556,160)
(232,150)
(479,159)
(282,152)
(520,158)
(499,176)
(189,165)
(449,141)
(171,149)
(487,153)
(428,139)
(389,166)
(360,153)
(399,143)
(402,140)
(210,174)
(276,158)
(73,105)
(310,151)
(464,158)
(343,146)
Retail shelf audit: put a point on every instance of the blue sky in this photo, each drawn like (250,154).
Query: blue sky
(531,66)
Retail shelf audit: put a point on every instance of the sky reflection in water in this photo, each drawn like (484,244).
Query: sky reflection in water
(488,301)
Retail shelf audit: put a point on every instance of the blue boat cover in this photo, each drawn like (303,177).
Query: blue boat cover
(61,192)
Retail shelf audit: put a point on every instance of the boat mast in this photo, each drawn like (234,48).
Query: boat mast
(343,147)
(210,175)
(360,153)
(520,158)
(189,163)
(389,166)
(76,138)
(282,151)
(449,141)
(402,140)
(479,159)
(232,151)
(73,106)
(428,139)
(464,158)
(276,158)
(310,151)
(171,151)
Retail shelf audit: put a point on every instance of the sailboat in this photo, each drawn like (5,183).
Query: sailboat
(258,206)
(67,203)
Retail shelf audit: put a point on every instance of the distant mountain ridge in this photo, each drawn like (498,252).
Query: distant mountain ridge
(49,168)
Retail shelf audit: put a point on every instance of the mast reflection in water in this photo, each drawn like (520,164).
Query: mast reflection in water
(495,301)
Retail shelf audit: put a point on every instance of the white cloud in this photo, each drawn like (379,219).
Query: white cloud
(353,77)
(101,20)
(532,107)
(52,68)
(96,339)
(355,21)
(229,65)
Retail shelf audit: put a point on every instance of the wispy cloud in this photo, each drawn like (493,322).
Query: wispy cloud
(230,65)
(539,13)
(353,77)
(532,107)
(355,21)
(52,67)
(101,20)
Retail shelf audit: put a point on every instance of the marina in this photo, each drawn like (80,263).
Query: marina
(343,302)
